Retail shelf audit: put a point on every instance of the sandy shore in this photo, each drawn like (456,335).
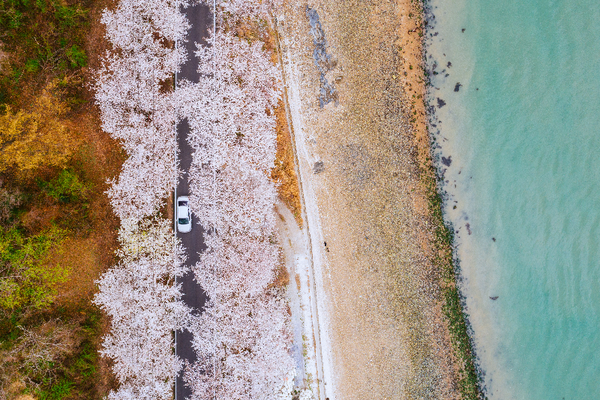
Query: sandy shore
(379,319)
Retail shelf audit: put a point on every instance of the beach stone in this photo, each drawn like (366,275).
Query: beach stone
(319,167)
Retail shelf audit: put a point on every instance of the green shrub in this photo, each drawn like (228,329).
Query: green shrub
(66,188)
(32,65)
(85,363)
(76,56)
(69,16)
(26,279)
(57,391)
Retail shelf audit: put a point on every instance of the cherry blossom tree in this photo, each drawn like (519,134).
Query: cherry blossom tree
(233,132)
(138,107)
(136,104)
(240,9)
(242,347)
(237,264)
(242,339)
(144,302)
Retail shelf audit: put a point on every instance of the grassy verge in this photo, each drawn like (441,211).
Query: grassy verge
(468,379)
(469,382)
(57,231)
(284,172)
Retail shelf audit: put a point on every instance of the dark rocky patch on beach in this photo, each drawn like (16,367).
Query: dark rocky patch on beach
(319,167)
(323,60)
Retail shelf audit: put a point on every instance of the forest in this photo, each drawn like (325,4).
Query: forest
(58,232)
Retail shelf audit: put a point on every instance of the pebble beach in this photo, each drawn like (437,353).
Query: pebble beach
(355,86)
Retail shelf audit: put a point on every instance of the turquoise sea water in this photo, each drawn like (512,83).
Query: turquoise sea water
(523,137)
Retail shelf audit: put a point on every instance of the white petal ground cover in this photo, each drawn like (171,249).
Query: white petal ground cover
(242,338)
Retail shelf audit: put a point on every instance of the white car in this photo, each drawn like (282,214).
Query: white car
(184,217)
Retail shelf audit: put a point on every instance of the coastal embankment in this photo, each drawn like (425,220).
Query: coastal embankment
(387,313)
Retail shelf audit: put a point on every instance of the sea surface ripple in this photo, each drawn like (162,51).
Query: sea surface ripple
(521,132)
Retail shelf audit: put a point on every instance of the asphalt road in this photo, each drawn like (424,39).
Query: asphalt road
(201,21)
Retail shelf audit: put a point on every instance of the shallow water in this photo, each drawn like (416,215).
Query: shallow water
(523,133)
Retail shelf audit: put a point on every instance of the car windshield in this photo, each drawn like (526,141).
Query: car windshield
(184,221)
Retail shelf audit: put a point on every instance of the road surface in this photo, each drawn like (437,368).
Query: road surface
(201,21)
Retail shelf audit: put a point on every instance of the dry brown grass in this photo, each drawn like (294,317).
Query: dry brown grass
(282,276)
(284,173)
(86,260)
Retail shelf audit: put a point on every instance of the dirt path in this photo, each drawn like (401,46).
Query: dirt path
(358,142)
